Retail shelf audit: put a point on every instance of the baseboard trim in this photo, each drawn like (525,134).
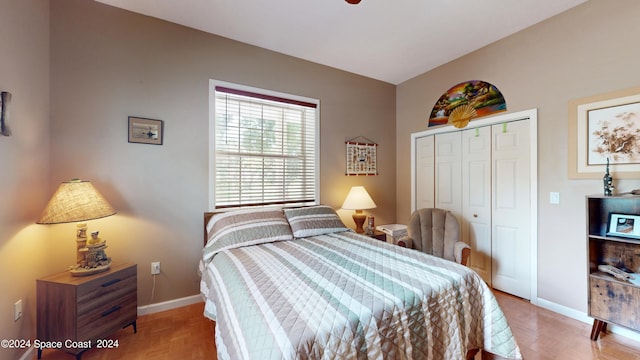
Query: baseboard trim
(168,305)
(28,355)
(582,316)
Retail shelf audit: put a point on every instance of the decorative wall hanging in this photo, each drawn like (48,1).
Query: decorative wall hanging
(361,156)
(5,98)
(605,127)
(465,101)
(145,131)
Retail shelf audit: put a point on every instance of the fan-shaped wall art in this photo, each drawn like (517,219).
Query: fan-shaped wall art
(465,101)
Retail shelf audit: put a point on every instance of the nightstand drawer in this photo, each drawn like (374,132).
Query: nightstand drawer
(101,293)
(107,304)
(108,317)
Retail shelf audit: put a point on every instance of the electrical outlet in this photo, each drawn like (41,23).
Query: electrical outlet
(17,310)
(155,268)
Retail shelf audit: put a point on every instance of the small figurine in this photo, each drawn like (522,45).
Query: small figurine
(608,182)
(94,238)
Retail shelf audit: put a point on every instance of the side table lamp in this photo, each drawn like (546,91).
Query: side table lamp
(78,201)
(358,199)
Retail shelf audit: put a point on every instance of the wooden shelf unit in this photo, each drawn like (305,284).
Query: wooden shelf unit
(611,300)
(83,309)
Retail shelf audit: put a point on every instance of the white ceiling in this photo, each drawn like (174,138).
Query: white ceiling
(388,40)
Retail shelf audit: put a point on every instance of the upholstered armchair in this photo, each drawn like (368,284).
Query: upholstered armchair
(436,232)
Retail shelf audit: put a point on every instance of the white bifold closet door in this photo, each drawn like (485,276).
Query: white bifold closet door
(511,206)
(482,175)
(476,195)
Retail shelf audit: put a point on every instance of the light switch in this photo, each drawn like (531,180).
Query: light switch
(554,197)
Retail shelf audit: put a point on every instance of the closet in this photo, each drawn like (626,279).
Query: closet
(486,175)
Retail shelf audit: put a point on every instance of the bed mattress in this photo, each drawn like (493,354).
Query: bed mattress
(346,296)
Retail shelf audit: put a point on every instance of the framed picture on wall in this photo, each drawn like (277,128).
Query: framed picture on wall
(145,131)
(605,127)
(624,225)
(361,157)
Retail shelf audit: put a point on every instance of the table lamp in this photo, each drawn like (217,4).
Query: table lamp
(78,201)
(358,199)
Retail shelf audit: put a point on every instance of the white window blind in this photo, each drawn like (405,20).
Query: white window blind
(265,149)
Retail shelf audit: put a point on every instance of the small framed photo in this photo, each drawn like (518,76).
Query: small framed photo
(624,225)
(145,131)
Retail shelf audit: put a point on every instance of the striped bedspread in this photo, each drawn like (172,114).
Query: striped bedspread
(346,296)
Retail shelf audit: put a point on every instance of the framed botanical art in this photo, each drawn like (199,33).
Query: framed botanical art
(605,127)
(145,131)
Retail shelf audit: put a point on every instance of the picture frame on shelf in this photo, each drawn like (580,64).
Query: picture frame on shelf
(624,225)
(146,131)
(602,127)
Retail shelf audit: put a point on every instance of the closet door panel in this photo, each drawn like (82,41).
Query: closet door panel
(425,172)
(448,172)
(506,184)
(476,198)
(506,267)
(511,208)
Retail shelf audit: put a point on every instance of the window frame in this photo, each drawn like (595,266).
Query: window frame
(212,137)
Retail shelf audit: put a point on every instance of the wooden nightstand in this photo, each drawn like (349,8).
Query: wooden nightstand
(377,234)
(81,311)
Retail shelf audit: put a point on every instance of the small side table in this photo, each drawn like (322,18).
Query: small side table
(396,232)
(81,310)
(378,235)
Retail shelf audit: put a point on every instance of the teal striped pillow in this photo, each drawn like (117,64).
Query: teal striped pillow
(245,227)
(314,220)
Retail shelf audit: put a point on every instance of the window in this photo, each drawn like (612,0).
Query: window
(264,148)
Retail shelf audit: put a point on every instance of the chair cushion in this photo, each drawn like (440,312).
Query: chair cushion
(434,231)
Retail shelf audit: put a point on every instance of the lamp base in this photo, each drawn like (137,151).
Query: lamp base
(90,254)
(359,218)
(77,270)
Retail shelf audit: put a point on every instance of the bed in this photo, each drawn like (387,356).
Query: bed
(298,284)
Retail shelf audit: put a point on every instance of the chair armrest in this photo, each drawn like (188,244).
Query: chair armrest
(461,251)
(405,241)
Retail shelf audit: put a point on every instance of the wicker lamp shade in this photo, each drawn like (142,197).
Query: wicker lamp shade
(75,200)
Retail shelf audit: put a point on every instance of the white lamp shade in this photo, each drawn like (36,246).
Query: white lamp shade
(358,199)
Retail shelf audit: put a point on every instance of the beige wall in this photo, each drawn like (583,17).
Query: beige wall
(25,249)
(588,50)
(107,64)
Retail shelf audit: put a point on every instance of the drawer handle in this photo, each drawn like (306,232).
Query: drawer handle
(107,312)
(109,283)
